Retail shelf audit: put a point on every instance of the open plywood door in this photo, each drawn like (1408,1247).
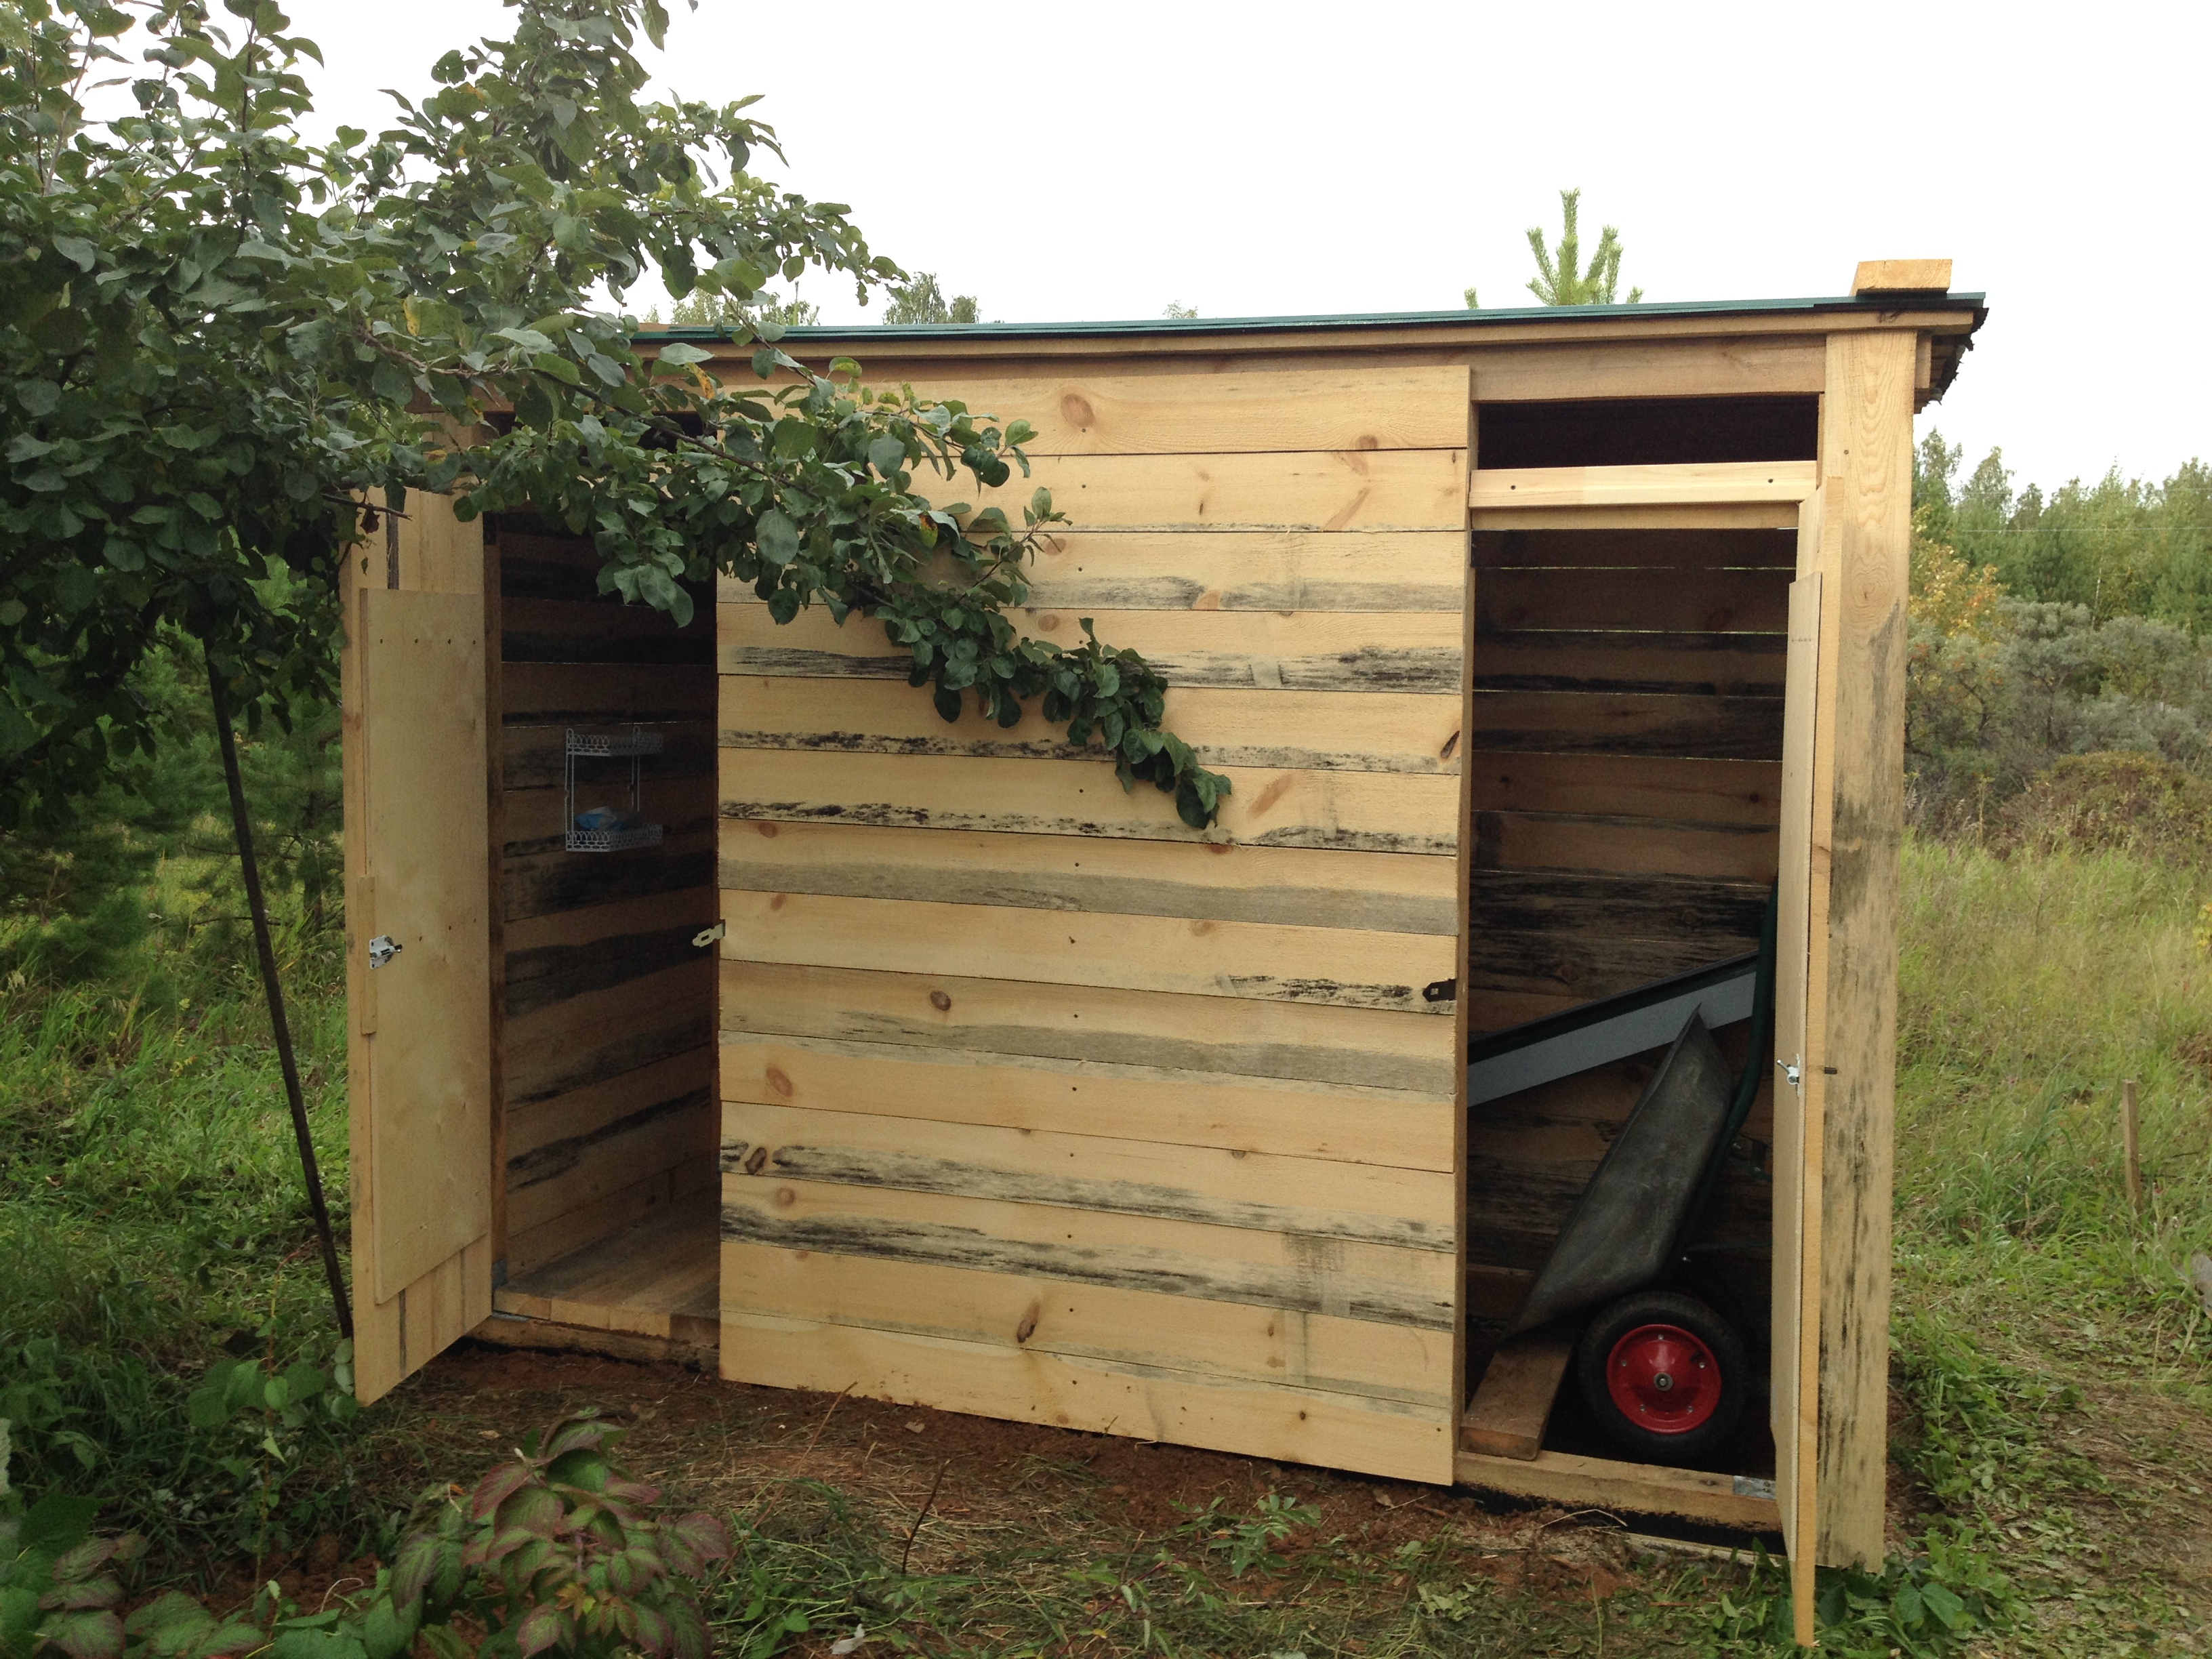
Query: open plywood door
(1795,1361)
(417,831)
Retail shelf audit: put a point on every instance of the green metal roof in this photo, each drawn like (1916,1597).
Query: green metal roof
(1459,318)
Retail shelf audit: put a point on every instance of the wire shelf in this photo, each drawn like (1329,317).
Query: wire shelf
(631,744)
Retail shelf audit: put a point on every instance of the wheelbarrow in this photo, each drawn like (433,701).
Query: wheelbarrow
(1664,1373)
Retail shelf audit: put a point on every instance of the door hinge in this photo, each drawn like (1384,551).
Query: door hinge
(382,948)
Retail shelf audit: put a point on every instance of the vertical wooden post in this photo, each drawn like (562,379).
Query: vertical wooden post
(2131,1145)
(1866,533)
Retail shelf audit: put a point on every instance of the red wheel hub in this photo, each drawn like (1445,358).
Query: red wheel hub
(1662,1378)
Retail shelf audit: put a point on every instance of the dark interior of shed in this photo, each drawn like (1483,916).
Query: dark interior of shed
(1624,757)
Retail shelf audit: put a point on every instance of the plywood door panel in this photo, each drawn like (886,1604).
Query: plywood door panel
(1388,892)
(1795,1312)
(1235,1037)
(1302,730)
(1368,811)
(1295,1425)
(1129,1329)
(1303,651)
(1227,1187)
(1315,490)
(1239,1267)
(1334,1122)
(423,680)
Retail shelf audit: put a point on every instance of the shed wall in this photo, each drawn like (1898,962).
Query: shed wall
(1037,1102)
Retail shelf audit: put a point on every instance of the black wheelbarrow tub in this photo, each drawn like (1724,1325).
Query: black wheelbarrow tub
(1624,1228)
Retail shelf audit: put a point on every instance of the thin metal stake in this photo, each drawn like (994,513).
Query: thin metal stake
(242,832)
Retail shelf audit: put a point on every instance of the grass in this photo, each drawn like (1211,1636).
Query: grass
(2052,1453)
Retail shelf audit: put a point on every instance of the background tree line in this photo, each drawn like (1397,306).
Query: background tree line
(2061,676)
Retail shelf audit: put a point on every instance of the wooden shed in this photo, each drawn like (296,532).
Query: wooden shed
(1537,645)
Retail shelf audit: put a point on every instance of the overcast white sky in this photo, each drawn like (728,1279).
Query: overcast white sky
(1095,162)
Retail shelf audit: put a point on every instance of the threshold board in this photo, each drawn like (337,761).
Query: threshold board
(660,1278)
(1563,1478)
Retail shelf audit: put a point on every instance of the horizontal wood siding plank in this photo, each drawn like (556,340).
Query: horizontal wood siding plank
(1345,966)
(1335,1122)
(564,1177)
(564,1118)
(1381,405)
(1304,731)
(1304,651)
(536,757)
(562,630)
(590,694)
(1629,785)
(601,1218)
(540,976)
(1692,483)
(1559,841)
(1690,601)
(1585,904)
(1357,812)
(696,905)
(604,1034)
(1129,1330)
(1104,571)
(1298,1425)
(1607,723)
(1308,490)
(1552,963)
(535,821)
(1243,1267)
(1669,665)
(542,883)
(1582,369)
(1498,550)
(1240,1037)
(1409,1208)
(1388,892)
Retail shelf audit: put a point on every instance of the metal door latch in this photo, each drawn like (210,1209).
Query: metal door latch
(1795,1071)
(382,950)
(706,936)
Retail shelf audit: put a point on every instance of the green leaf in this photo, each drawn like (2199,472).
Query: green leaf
(777,537)
(888,456)
(37,396)
(528,338)
(77,250)
(682,352)
(57,1522)
(559,367)
(389,382)
(84,1634)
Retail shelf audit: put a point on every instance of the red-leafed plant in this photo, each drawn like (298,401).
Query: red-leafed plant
(556,1551)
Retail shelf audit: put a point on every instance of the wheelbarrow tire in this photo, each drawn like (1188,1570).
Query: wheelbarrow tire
(1664,1374)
